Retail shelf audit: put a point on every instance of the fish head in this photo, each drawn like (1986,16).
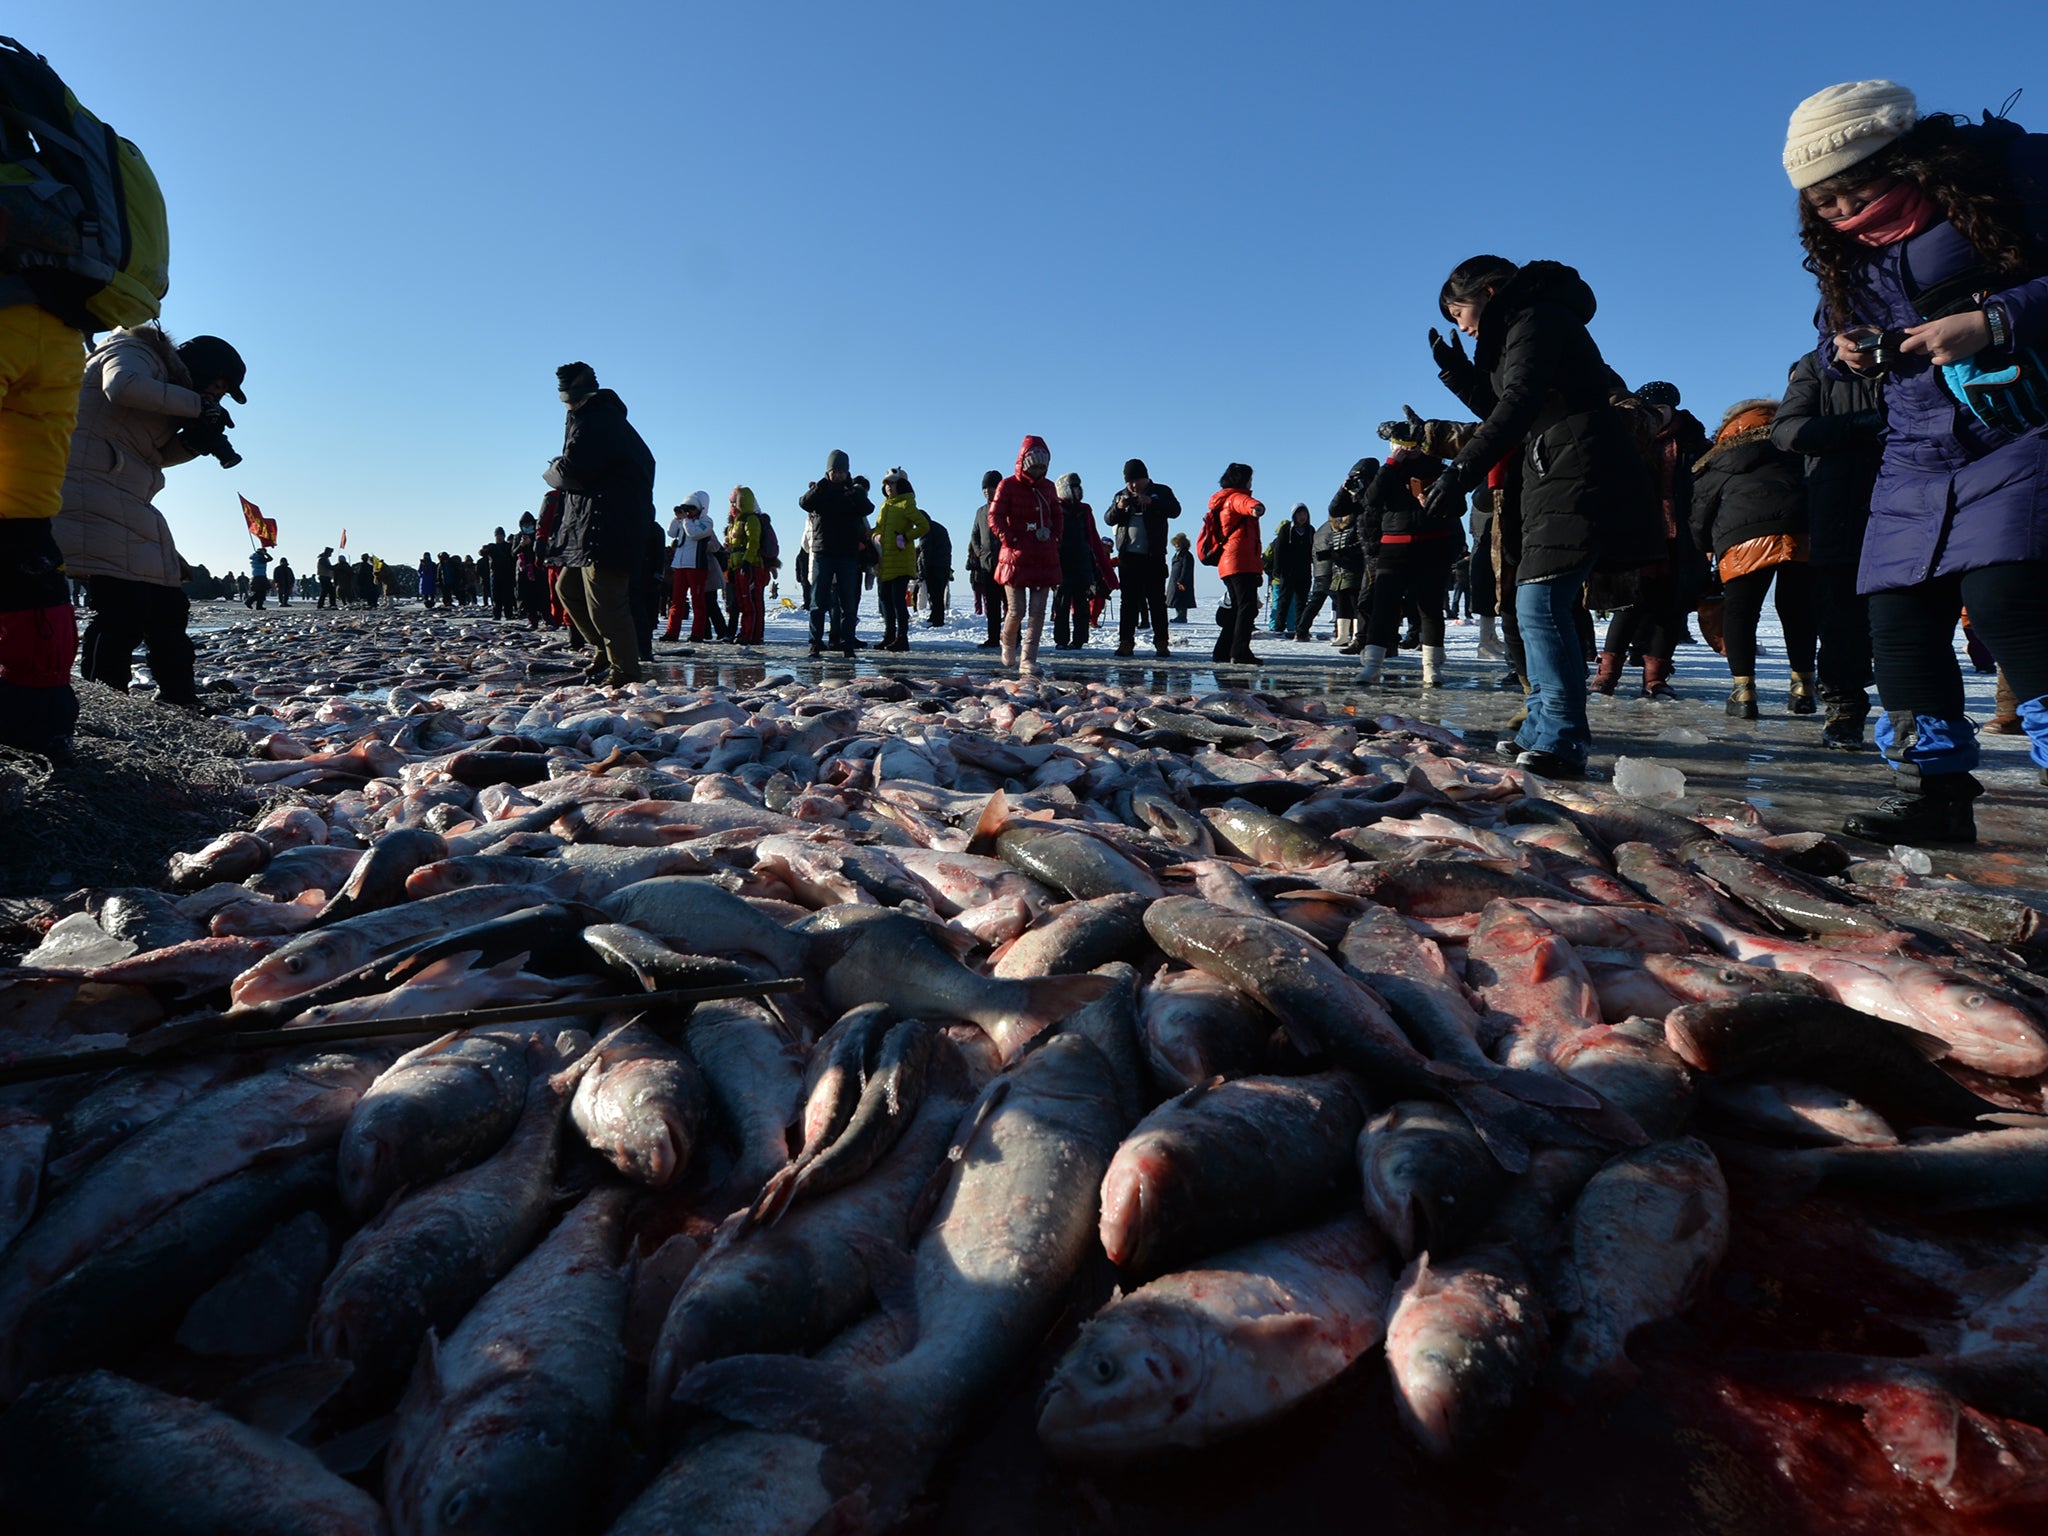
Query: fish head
(1127,1384)
(440,877)
(486,1482)
(300,966)
(1139,1184)
(1986,1029)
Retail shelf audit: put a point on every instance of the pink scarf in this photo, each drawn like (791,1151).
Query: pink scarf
(1899,215)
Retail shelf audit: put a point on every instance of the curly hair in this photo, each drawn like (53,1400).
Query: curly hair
(1973,192)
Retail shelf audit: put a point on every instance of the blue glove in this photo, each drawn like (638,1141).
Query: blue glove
(2009,399)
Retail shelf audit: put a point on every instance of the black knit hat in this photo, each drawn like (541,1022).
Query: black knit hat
(1134,469)
(575,382)
(1658,392)
(208,358)
(992,479)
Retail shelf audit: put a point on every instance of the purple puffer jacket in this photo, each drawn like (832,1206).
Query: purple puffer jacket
(1953,494)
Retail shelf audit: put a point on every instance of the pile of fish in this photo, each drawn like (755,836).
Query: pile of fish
(1181,1061)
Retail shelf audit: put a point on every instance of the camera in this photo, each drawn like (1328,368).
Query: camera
(1876,348)
(208,436)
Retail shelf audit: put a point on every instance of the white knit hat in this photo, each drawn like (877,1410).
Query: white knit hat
(1833,129)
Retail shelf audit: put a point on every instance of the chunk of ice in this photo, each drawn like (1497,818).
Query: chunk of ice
(1638,778)
(1913,860)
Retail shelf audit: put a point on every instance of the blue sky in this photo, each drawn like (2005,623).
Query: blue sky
(1187,232)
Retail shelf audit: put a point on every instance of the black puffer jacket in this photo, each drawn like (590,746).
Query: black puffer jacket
(606,476)
(1294,552)
(840,510)
(1838,424)
(1392,512)
(1340,553)
(1537,378)
(1746,488)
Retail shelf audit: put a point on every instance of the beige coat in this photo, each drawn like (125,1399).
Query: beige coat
(135,397)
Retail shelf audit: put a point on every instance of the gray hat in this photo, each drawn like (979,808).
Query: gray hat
(992,479)
(838,460)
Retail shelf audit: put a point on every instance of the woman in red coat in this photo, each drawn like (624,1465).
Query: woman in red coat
(1024,515)
(1242,564)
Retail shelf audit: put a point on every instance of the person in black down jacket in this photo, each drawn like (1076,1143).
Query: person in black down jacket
(1749,506)
(1294,569)
(1139,513)
(606,476)
(1537,378)
(1413,542)
(935,569)
(1838,424)
(839,509)
(1339,558)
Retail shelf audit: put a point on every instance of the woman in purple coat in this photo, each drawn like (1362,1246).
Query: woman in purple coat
(1929,238)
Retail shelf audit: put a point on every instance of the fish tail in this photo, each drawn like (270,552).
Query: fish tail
(775,1198)
(1502,1122)
(994,817)
(1047,1000)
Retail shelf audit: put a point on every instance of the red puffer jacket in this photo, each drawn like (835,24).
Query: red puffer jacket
(1240,515)
(1025,517)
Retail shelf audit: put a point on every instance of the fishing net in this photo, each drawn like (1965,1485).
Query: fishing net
(149,781)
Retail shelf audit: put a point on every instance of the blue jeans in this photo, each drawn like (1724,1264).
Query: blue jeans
(1547,612)
(835,586)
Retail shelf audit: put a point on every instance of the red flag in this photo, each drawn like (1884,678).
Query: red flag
(344,540)
(262,529)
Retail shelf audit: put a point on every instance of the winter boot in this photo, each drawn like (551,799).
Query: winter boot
(1801,700)
(1928,808)
(1657,678)
(2007,721)
(1354,638)
(1489,639)
(1742,701)
(1843,728)
(1342,636)
(1608,677)
(1516,720)
(1370,661)
(1432,666)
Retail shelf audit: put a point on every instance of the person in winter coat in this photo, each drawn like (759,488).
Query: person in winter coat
(504,575)
(366,581)
(1837,423)
(1181,577)
(1927,237)
(606,475)
(689,534)
(1238,514)
(1339,557)
(1139,513)
(984,550)
(282,581)
(746,567)
(323,574)
(1294,569)
(1080,567)
(1536,377)
(1655,621)
(899,530)
(1414,539)
(1749,507)
(935,570)
(1025,517)
(259,576)
(839,508)
(144,406)
(429,580)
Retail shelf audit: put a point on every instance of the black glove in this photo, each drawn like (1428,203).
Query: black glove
(31,565)
(1410,429)
(1450,354)
(1445,494)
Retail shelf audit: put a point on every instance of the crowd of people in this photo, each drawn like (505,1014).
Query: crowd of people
(1898,485)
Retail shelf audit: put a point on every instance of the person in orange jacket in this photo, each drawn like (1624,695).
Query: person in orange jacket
(1242,565)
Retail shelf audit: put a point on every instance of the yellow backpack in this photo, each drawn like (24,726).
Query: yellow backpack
(81,215)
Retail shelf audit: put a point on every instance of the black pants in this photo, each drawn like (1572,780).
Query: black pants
(935,592)
(1912,636)
(1408,581)
(992,601)
(1143,600)
(894,595)
(1234,640)
(1511,623)
(1069,616)
(1745,595)
(131,613)
(1842,619)
(1654,622)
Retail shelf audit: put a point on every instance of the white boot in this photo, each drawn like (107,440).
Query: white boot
(1343,636)
(1370,660)
(1432,666)
(1489,642)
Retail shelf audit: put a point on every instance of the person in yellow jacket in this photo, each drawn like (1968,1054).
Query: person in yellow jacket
(745,572)
(898,528)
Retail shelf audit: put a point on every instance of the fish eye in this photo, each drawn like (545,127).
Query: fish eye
(1104,1369)
(457,1506)
(1976,1000)
(294,964)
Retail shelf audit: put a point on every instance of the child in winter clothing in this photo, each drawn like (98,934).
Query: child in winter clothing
(898,529)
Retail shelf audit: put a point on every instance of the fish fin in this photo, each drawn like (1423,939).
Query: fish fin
(1545,1088)
(775,1197)
(447,968)
(1933,1047)
(282,1399)
(928,1198)
(347,1454)
(891,1273)
(994,817)
(1492,1115)
(1048,1000)
(1420,1280)
(2016,1120)
(1693,1214)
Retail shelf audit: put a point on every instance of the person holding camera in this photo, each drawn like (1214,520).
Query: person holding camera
(839,509)
(1026,519)
(1139,513)
(984,550)
(606,475)
(1927,237)
(145,405)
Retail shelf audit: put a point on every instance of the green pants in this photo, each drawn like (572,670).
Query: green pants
(600,605)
